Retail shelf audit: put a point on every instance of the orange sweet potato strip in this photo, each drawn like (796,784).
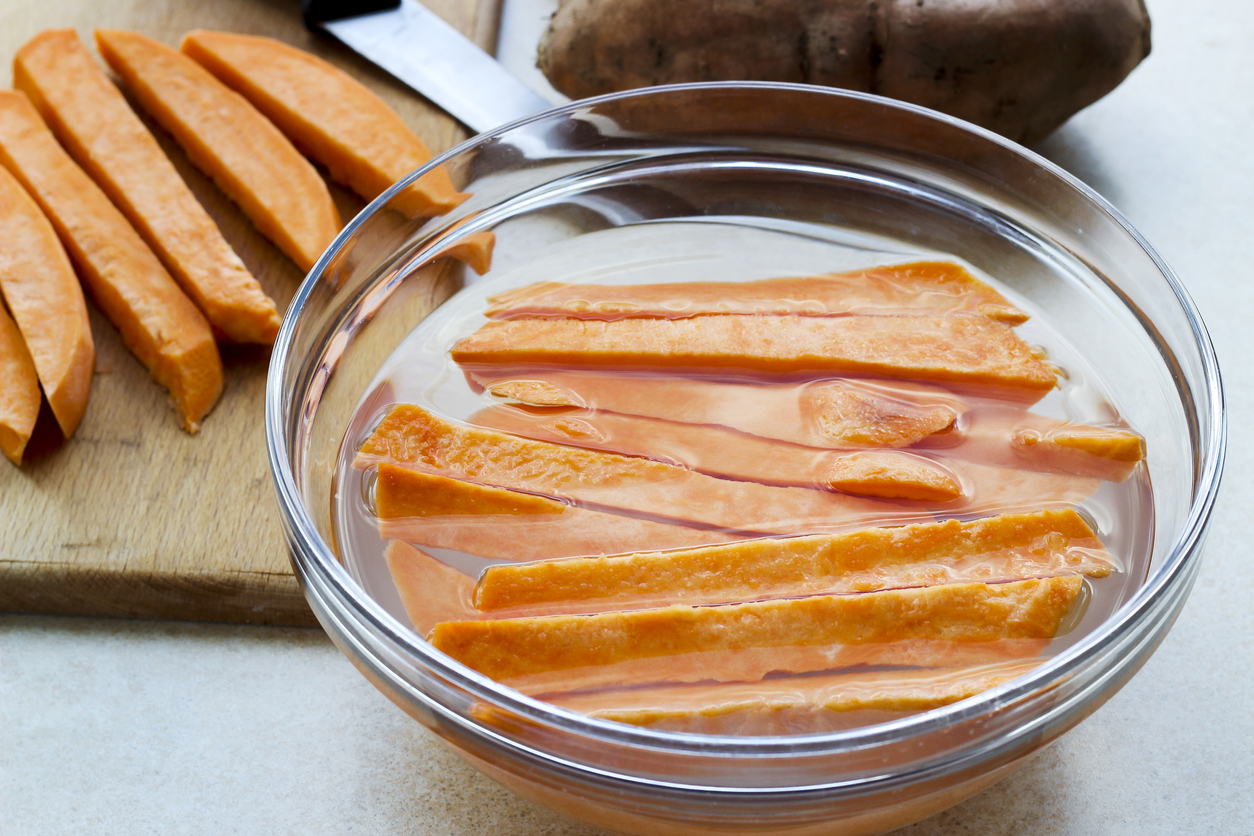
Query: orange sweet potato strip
(19,391)
(953,486)
(499,524)
(961,350)
(928,287)
(413,437)
(734,455)
(226,138)
(826,413)
(790,705)
(839,414)
(1005,547)
(158,323)
(328,115)
(744,642)
(95,124)
(430,590)
(41,290)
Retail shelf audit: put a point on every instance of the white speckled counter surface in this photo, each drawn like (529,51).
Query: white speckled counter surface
(123,727)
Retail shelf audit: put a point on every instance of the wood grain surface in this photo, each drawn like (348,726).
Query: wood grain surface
(132,516)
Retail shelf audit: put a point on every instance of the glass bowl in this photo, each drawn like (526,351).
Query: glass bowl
(741,170)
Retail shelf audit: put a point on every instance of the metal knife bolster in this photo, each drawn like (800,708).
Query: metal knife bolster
(432,57)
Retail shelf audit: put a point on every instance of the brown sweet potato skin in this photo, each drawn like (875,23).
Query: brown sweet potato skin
(1018,67)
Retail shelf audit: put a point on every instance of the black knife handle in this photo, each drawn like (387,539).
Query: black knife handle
(318,11)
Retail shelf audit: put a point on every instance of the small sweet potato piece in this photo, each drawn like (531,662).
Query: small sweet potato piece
(891,476)
(158,323)
(1001,548)
(1008,437)
(789,705)
(969,350)
(414,438)
(19,390)
(744,642)
(952,486)
(41,290)
(226,138)
(928,287)
(475,250)
(500,524)
(329,116)
(89,116)
(826,413)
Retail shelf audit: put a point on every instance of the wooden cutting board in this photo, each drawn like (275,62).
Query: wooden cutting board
(132,516)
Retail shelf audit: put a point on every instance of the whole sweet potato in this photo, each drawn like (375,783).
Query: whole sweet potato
(1018,67)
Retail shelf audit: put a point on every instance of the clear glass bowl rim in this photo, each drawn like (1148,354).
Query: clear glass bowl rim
(314,555)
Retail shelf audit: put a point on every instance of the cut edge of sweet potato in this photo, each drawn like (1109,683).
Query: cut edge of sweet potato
(954,350)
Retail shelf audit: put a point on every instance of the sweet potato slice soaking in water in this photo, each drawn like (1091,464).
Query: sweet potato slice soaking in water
(416,438)
(963,350)
(791,704)
(930,287)
(999,548)
(825,413)
(737,642)
(500,524)
(948,485)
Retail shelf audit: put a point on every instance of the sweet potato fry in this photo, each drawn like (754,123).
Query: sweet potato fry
(158,323)
(954,486)
(734,455)
(744,642)
(826,413)
(19,390)
(1001,548)
(959,350)
(928,287)
(837,414)
(95,124)
(790,705)
(413,437)
(430,591)
(226,138)
(42,292)
(499,524)
(329,116)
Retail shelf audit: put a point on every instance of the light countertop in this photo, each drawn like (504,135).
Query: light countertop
(123,727)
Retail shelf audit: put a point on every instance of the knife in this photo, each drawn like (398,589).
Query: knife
(419,48)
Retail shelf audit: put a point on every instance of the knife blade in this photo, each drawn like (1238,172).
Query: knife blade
(418,47)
